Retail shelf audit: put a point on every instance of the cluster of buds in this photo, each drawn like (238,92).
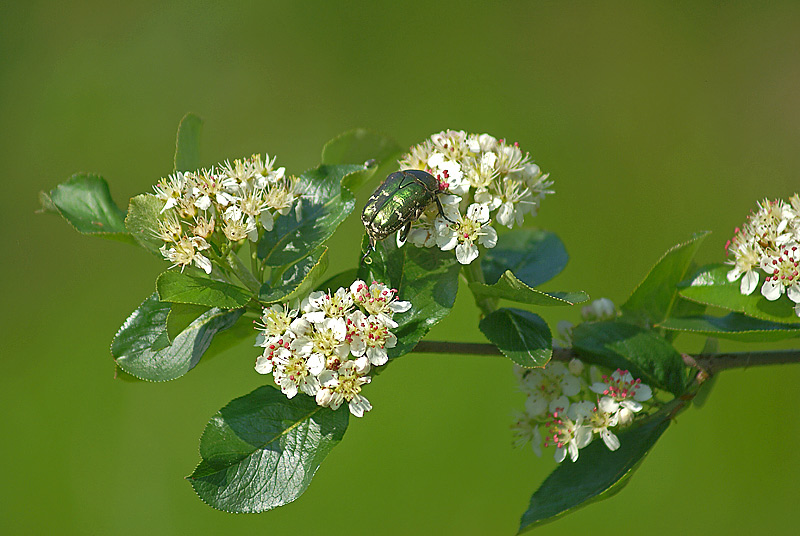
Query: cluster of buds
(768,243)
(479,175)
(326,347)
(222,206)
(568,405)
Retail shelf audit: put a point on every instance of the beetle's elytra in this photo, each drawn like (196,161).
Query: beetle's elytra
(399,201)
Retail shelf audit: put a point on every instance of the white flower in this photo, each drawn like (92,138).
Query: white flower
(623,388)
(378,300)
(293,372)
(567,436)
(371,336)
(465,232)
(547,388)
(185,252)
(602,418)
(525,429)
(171,189)
(783,276)
(343,385)
(448,173)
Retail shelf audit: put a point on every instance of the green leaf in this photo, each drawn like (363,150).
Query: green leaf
(654,298)
(710,286)
(325,204)
(430,283)
(84,200)
(261,450)
(142,346)
(142,221)
(647,356)
(299,279)
(181,315)
(522,336)
(597,474)
(187,143)
(359,146)
(735,326)
(511,288)
(534,256)
(182,288)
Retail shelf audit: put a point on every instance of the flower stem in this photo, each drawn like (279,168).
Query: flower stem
(474,274)
(243,274)
(711,362)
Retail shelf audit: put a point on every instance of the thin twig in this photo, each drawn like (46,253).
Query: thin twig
(710,363)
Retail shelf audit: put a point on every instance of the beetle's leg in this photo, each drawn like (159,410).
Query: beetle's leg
(403,234)
(370,249)
(441,209)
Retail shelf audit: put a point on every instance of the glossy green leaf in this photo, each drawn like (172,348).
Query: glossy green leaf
(84,200)
(323,206)
(181,315)
(182,288)
(142,346)
(142,221)
(534,256)
(653,300)
(597,474)
(735,326)
(647,356)
(508,287)
(299,279)
(261,450)
(522,336)
(187,143)
(359,146)
(710,286)
(430,283)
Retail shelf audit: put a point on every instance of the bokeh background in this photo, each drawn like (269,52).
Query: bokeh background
(656,120)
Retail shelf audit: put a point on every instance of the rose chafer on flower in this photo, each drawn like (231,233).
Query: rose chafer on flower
(327,346)
(482,179)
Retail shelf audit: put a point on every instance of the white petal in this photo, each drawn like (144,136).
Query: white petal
(794,293)
(377,356)
(734,274)
(202,263)
(560,454)
(608,405)
(560,405)
(489,239)
(316,364)
(611,441)
(573,451)
(263,365)
(643,392)
(771,290)
(466,252)
(359,405)
(505,216)
(570,385)
(535,405)
(599,387)
(583,436)
(749,282)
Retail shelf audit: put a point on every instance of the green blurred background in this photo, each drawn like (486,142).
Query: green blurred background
(656,119)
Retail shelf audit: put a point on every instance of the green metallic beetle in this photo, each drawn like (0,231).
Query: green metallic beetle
(398,202)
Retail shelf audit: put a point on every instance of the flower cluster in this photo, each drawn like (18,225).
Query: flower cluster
(478,175)
(768,243)
(567,405)
(222,205)
(326,347)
